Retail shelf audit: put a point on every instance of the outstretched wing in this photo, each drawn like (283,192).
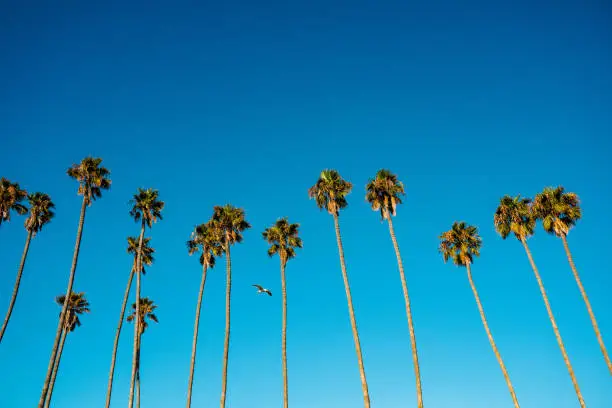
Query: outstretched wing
(268,292)
(259,287)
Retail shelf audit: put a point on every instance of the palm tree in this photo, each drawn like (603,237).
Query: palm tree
(384,194)
(559,212)
(330,193)
(92,178)
(41,213)
(283,239)
(77,305)
(461,244)
(146,209)
(11,197)
(230,223)
(147,259)
(206,240)
(514,216)
(145,311)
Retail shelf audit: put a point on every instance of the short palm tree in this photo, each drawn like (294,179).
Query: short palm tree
(514,216)
(330,193)
(384,194)
(229,222)
(146,311)
(146,209)
(461,244)
(92,178)
(11,196)
(283,239)
(206,240)
(147,259)
(559,211)
(41,213)
(77,305)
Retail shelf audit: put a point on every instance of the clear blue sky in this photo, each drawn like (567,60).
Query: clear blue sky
(232,102)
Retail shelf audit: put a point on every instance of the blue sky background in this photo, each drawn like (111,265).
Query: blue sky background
(244,103)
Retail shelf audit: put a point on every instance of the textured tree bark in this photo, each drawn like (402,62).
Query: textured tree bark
(228,292)
(55,369)
(284,335)
(195,334)
(137,317)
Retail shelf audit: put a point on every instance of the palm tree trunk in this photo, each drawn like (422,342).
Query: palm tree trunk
(415,356)
(284,335)
(137,316)
(117,334)
(55,369)
(228,291)
(554,325)
(195,334)
(138,374)
(587,303)
(490,336)
(60,325)
(349,298)
(16,288)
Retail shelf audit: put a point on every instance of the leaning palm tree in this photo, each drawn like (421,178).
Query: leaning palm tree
(77,305)
(41,213)
(330,193)
(146,209)
(145,311)
(206,240)
(384,194)
(92,179)
(461,244)
(514,216)
(559,212)
(11,196)
(229,222)
(147,259)
(283,239)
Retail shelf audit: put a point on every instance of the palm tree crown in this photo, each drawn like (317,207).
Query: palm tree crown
(230,222)
(283,239)
(147,206)
(461,243)
(146,311)
(11,197)
(558,210)
(330,191)
(147,252)
(207,239)
(77,305)
(41,212)
(384,193)
(92,178)
(514,216)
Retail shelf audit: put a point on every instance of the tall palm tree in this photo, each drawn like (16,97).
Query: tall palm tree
(560,211)
(207,240)
(330,193)
(145,311)
(230,223)
(283,239)
(11,196)
(146,209)
(461,244)
(147,259)
(92,179)
(514,216)
(77,305)
(41,213)
(384,194)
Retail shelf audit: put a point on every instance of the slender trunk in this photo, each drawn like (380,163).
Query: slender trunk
(117,334)
(587,303)
(284,335)
(415,355)
(554,325)
(137,316)
(349,298)
(138,374)
(490,336)
(228,291)
(16,288)
(55,369)
(60,325)
(195,334)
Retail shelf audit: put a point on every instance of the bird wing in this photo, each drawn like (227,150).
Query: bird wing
(268,292)
(258,287)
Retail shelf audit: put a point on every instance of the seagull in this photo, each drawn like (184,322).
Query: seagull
(261,289)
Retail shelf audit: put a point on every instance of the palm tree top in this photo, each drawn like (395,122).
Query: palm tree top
(147,251)
(41,212)
(559,210)
(146,206)
(461,244)
(230,222)
(92,178)
(207,239)
(11,196)
(283,238)
(330,191)
(77,305)
(514,215)
(146,311)
(384,193)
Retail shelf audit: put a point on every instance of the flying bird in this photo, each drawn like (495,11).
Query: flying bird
(261,289)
